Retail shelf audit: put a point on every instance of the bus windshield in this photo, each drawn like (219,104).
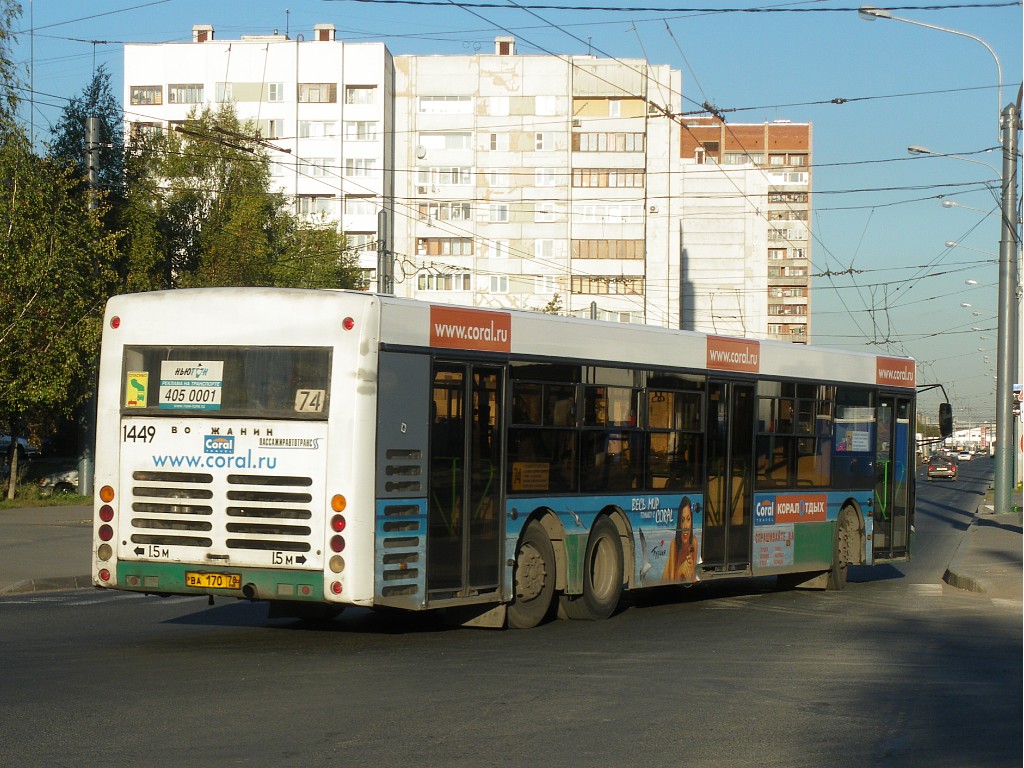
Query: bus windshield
(237,381)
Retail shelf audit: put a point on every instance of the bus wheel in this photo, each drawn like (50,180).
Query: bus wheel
(602,576)
(842,548)
(534,578)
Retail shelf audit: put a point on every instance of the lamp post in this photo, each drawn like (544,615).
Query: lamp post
(1007,307)
(917,149)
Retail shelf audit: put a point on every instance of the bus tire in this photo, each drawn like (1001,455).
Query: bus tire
(602,576)
(534,578)
(842,549)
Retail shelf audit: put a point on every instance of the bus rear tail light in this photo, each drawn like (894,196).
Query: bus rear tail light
(336,587)
(337,543)
(106,533)
(338,502)
(106,494)
(348,323)
(337,523)
(104,574)
(106,513)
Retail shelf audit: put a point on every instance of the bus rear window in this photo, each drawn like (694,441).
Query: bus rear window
(251,382)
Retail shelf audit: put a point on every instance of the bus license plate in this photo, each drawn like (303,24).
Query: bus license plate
(213,580)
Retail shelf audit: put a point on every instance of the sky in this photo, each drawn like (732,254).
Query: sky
(885,281)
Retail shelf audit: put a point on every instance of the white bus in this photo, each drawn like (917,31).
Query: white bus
(323,449)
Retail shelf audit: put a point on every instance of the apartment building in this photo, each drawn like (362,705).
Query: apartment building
(519,181)
(528,178)
(745,217)
(324,108)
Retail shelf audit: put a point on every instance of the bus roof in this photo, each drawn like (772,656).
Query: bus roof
(244,315)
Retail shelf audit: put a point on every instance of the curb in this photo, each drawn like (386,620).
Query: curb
(953,576)
(57,584)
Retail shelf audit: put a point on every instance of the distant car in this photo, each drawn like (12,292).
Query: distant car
(939,466)
(963,456)
(59,483)
(25,448)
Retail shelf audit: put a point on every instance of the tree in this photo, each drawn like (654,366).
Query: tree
(55,275)
(69,135)
(201,212)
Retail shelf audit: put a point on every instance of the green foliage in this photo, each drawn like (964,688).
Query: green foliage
(200,212)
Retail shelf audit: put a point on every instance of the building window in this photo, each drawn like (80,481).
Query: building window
(185,93)
(498,142)
(607,213)
(446,140)
(271,129)
(453,281)
(787,197)
(445,211)
(444,246)
(614,108)
(446,105)
(544,141)
(360,166)
(497,177)
(318,129)
(545,177)
(546,105)
(360,205)
(318,167)
(147,94)
(608,177)
(544,213)
(500,249)
(275,92)
(608,142)
(360,130)
(222,92)
(360,241)
(318,93)
(312,205)
(497,212)
(145,130)
(444,176)
(544,249)
(608,249)
(499,284)
(609,284)
(545,285)
(360,94)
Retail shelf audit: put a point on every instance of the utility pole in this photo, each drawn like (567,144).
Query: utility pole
(1008,333)
(87,420)
(385,264)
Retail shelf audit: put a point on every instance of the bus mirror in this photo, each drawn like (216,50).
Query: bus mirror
(945,419)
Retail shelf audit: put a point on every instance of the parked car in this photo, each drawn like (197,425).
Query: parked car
(59,483)
(963,456)
(940,466)
(25,449)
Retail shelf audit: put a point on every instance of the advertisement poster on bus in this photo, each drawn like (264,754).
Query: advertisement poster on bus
(668,538)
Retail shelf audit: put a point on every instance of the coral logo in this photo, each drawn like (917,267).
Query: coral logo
(764,512)
(219,444)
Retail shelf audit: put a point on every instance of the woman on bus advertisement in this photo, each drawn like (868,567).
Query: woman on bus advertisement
(681,564)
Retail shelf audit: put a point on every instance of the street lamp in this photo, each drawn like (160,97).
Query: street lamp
(1008,309)
(870,13)
(917,149)
(955,204)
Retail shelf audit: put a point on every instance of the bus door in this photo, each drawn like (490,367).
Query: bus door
(463,542)
(726,538)
(894,469)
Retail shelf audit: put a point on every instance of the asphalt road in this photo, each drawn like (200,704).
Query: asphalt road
(897,670)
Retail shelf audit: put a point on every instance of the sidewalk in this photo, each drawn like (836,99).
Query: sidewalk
(988,559)
(44,549)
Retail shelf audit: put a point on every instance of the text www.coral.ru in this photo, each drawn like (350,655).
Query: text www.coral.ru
(471,332)
(736,358)
(240,461)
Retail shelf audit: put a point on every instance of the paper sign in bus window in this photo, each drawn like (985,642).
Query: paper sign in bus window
(136,390)
(191,384)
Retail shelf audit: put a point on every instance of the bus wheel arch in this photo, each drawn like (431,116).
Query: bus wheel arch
(535,573)
(603,572)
